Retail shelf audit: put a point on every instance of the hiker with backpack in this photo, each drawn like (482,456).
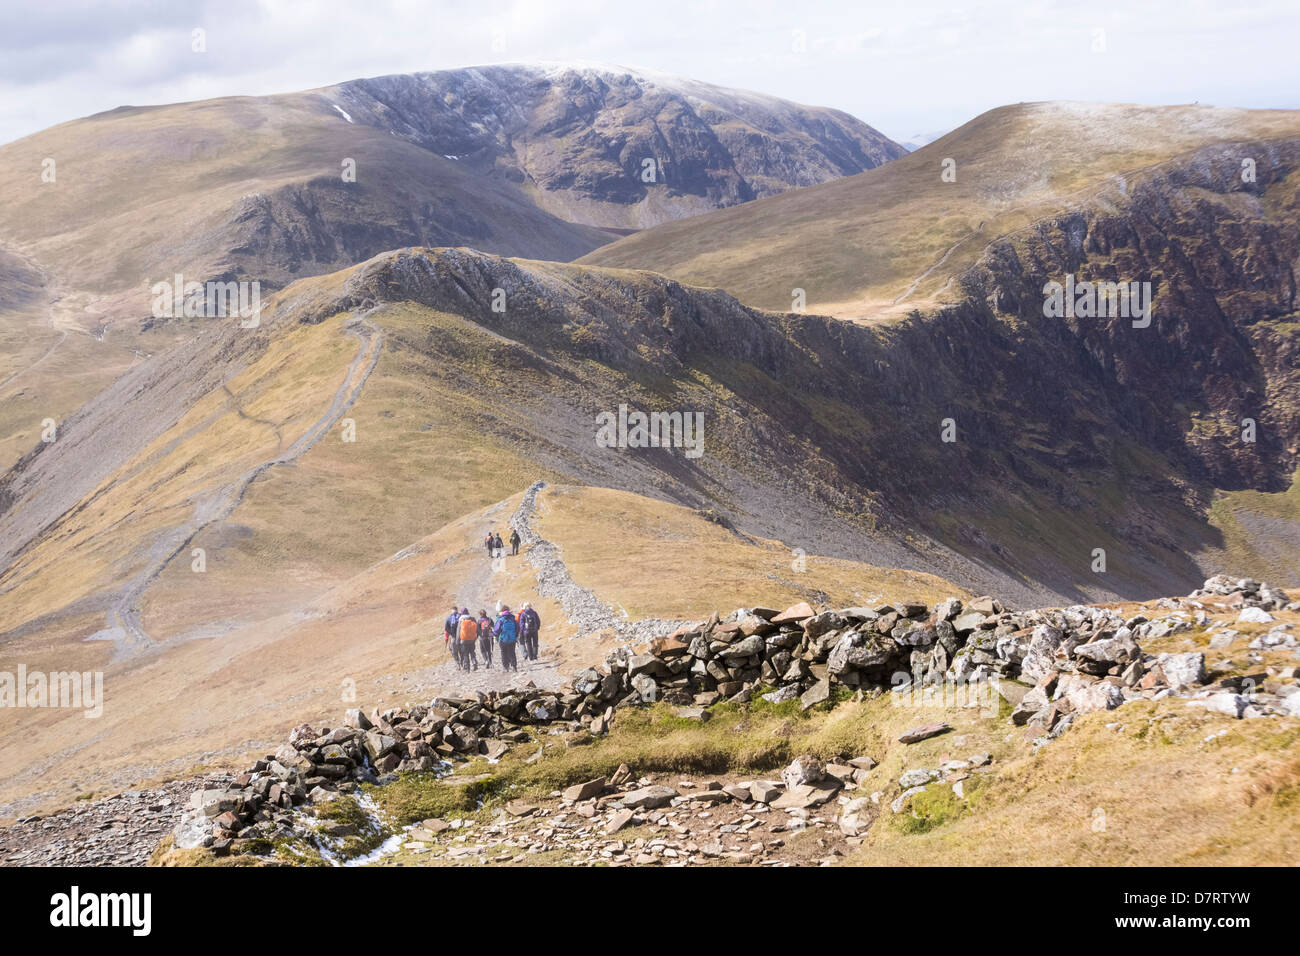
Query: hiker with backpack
(514,543)
(468,627)
(500,547)
(491,543)
(507,633)
(530,624)
(485,637)
(450,633)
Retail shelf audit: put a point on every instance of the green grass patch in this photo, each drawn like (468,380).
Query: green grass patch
(937,806)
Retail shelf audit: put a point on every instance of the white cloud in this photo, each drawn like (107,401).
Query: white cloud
(927,64)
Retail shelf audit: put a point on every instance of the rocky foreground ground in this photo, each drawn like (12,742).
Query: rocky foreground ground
(1037,671)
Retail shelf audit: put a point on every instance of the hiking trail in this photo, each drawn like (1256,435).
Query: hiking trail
(125,628)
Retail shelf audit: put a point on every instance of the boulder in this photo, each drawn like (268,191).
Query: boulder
(804,769)
(665,647)
(917,778)
(645,664)
(818,693)
(1234,705)
(1010,691)
(1254,615)
(1033,701)
(747,647)
(698,714)
(619,820)
(708,796)
(901,800)
(378,744)
(193,830)
(856,650)
(649,798)
(302,737)
(1039,658)
(947,609)
(211,803)
(646,688)
(357,720)
(1120,649)
(1086,698)
(968,621)
(856,817)
(764,791)
(542,710)
(803,796)
(913,635)
(782,694)
(585,791)
(1182,670)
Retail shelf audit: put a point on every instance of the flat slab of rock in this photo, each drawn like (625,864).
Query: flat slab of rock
(924,732)
(585,791)
(797,612)
(804,796)
(818,693)
(619,820)
(649,798)
(708,796)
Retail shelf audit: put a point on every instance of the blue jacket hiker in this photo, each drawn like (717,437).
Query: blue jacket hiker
(507,633)
(449,628)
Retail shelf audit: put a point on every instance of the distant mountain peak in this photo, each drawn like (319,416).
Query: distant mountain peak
(615,146)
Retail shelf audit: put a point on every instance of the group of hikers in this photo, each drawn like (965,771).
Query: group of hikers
(496,547)
(462,631)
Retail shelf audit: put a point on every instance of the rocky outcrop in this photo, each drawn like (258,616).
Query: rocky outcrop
(1219,253)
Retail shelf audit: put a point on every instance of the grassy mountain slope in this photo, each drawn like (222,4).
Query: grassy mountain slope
(888,240)
(326,559)
(514,160)
(224,692)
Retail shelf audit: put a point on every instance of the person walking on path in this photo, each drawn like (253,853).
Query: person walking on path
(500,547)
(490,542)
(530,624)
(507,633)
(514,543)
(450,634)
(468,638)
(485,638)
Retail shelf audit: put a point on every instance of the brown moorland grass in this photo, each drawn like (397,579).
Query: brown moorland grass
(655,559)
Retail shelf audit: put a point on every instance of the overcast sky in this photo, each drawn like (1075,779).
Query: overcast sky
(906,67)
